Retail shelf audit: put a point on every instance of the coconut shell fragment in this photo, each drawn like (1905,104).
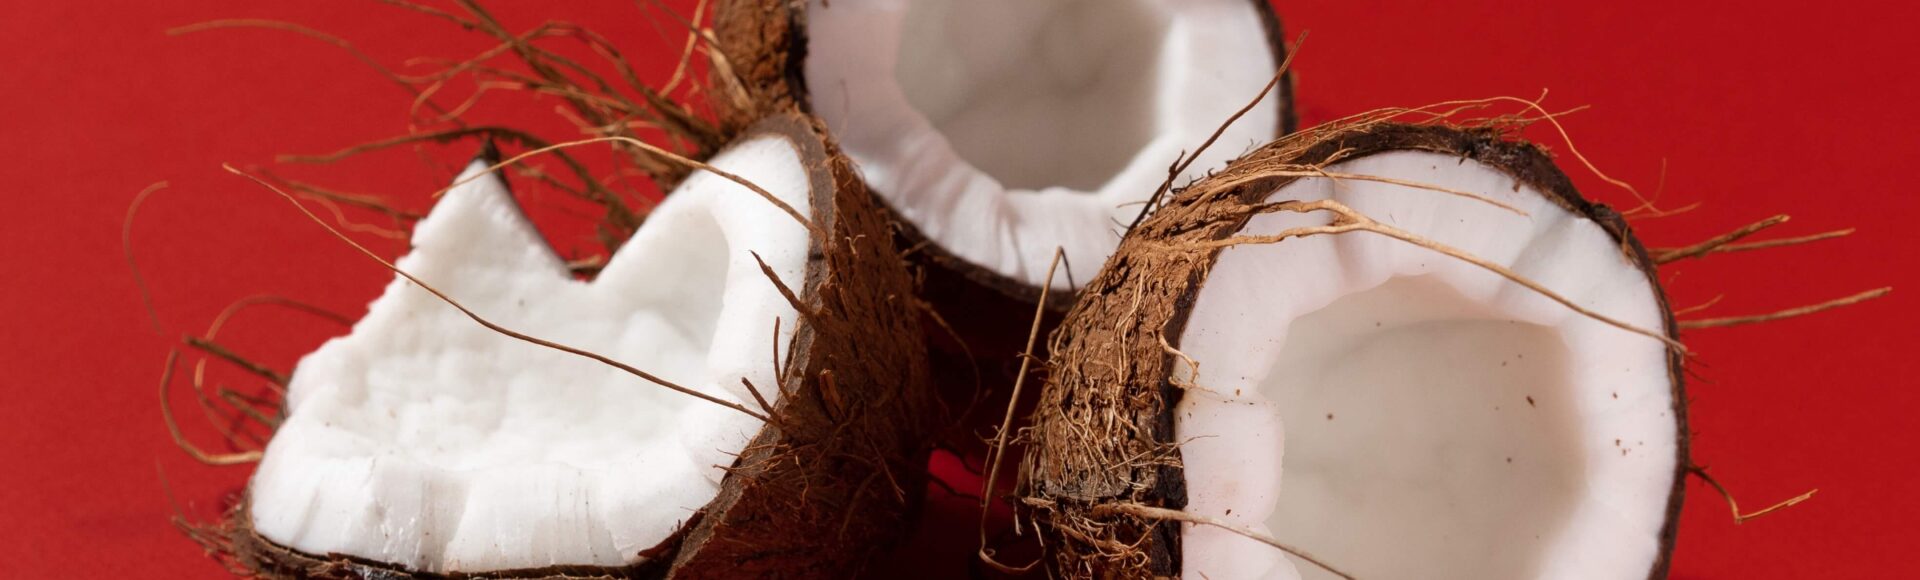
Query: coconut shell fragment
(1106,433)
(828,481)
(767,56)
(841,475)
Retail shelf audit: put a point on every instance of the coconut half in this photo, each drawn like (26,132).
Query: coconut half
(1001,130)
(423,444)
(1391,410)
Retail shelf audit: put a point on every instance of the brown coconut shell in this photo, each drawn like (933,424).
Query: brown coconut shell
(816,493)
(764,43)
(1103,431)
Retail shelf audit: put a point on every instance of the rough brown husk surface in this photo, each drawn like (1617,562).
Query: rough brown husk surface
(1103,429)
(765,43)
(815,494)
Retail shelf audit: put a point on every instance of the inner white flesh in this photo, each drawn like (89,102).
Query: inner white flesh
(1399,413)
(1004,129)
(425,440)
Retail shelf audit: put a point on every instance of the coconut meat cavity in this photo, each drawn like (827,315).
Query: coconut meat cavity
(1404,414)
(1003,129)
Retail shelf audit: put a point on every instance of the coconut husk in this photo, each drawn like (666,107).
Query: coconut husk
(764,43)
(829,482)
(1103,432)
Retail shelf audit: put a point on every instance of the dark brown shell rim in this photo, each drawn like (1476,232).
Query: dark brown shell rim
(1525,162)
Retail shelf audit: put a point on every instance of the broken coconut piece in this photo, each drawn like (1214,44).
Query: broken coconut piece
(1387,408)
(423,443)
(1003,129)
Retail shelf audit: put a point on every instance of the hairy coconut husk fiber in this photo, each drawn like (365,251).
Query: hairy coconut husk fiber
(1102,457)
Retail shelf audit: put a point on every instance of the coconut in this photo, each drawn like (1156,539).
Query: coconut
(423,444)
(1479,379)
(1002,130)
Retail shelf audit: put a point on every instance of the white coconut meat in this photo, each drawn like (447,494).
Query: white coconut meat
(1003,129)
(1403,414)
(424,440)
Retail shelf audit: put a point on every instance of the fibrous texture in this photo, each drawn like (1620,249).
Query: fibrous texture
(1257,358)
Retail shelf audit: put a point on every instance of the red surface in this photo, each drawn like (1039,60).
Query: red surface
(1774,107)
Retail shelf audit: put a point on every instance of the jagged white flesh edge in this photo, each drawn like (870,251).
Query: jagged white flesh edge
(425,440)
(1410,478)
(1212,59)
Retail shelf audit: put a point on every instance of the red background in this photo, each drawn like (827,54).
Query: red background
(1777,107)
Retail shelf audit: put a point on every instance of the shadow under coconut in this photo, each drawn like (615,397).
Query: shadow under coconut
(1426,428)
